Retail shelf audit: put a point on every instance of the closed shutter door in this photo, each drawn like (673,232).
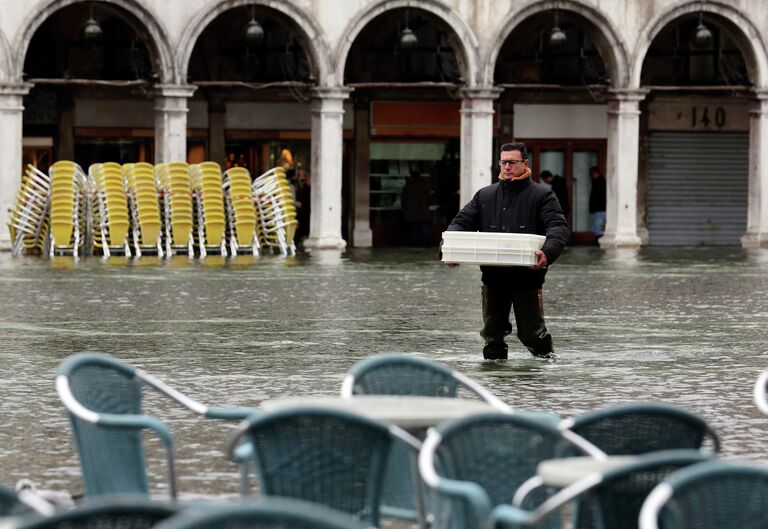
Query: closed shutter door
(697,188)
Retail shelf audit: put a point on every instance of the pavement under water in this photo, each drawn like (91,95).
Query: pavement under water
(687,326)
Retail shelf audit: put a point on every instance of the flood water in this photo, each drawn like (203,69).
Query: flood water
(686,326)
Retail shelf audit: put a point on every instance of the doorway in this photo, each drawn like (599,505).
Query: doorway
(570,159)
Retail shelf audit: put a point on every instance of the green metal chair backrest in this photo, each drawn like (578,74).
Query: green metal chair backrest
(125,512)
(399,374)
(612,499)
(328,457)
(112,458)
(270,513)
(639,428)
(487,458)
(710,495)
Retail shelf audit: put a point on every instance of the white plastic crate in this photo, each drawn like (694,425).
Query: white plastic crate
(491,248)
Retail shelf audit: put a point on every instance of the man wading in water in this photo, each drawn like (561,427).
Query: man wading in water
(515,204)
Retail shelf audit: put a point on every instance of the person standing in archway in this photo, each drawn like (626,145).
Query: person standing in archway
(597,202)
(515,204)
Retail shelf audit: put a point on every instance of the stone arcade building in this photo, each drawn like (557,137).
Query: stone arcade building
(669,98)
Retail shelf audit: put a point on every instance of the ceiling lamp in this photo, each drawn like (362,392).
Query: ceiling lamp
(91,28)
(408,38)
(254,33)
(703,35)
(557,36)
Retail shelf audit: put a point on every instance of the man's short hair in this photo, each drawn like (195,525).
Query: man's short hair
(545,174)
(595,169)
(516,146)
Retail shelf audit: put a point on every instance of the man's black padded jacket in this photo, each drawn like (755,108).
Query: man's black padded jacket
(516,206)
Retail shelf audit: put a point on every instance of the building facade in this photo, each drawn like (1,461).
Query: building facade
(667,98)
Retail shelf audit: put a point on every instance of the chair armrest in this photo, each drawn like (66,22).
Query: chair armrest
(137,422)
(468,491)
(509,517)
(230,414)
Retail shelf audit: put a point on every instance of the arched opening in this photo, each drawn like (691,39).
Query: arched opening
(694,163)
(407,66)
(555,67)
(251,108)
(92,65)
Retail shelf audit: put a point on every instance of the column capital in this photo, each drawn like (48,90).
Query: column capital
(174,90)
(481,92)
(15,89)
(627,94)
(331,92)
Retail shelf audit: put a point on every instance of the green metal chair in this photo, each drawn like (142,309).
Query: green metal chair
(271,513)
(710,495)
(613,498)
(127,512)
(401,374)
(104,399)
(328,457)
(642,427)
(481,461)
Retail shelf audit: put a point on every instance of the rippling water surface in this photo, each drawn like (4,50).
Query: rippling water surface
(687,326)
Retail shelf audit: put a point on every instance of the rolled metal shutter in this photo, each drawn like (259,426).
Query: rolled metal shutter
(697,188)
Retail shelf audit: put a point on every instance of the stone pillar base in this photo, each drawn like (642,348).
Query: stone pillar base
(324,243)
(362,238)
(611,242)
(754,240)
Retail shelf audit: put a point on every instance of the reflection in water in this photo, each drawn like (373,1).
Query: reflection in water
(687,326)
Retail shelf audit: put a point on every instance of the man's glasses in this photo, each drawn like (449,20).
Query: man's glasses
(510,162)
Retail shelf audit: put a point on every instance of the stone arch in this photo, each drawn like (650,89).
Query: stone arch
(745,34)
(611,47)
(466,44)
(160,42)
(311,34)
(5,59)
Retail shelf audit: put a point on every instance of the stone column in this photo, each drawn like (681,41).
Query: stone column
(362,236)
(327,143)
(621,178)
(757,209)
(476,140)
(11,113)
(171,122)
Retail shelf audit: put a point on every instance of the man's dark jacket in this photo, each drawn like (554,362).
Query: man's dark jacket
(516,206)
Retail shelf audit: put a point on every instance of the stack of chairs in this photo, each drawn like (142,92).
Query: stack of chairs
(277,211)
(176,197)
(69,209)
(210,218)
(111,218)
(146,220)
(28,222)
(244,231)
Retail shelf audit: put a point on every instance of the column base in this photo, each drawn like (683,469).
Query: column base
(324,243)
(754,240)
(611,241)
(362,238)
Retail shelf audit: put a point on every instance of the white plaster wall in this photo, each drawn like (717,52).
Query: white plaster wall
(560,121)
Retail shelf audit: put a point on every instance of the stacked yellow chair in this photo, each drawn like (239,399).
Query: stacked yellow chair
(175,186)
(208,196)
(28,222)
(244,230)
(277,211)
(68,207)
(110,208)
(144,203)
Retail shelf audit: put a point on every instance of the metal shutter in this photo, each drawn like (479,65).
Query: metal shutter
(697,188)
